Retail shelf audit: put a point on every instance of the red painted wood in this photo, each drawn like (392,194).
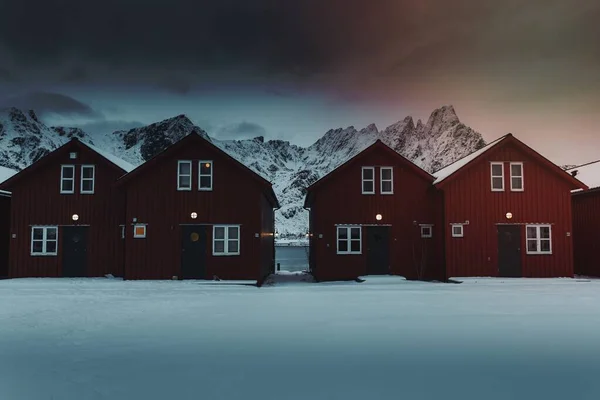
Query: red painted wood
(36,200)
(4,233)
(546,199)
(237,198)
(340,201)
(586,228)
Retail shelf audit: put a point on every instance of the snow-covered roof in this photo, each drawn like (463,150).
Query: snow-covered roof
(112,158)
(6,173)
(588,173)
(455,166)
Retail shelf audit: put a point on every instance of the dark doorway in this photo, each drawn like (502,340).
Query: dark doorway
(378,250)
(509,251)
(74,251)
(193,252)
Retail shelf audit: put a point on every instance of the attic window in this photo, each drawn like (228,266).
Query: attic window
(497,171)
(73,155)
(205,179)
(426,231)
(458,230)
(67,179)
(139,231)
(368,180)
(88,173)
(184,175)
(387,180)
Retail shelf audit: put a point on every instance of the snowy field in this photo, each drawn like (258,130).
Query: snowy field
(386,338)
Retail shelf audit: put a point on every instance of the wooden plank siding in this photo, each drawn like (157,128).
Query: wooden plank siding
(152,198)
(36,200)
(340,201)
(4,233)
(546,199)
(586,228)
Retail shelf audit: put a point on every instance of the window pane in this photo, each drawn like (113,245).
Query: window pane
(531,232)
(51,246)
(545,232)
(386,186)
(219,232)
(368,187)
(232,246)
(532,245)
(497,170)
(38,233)
(517,183)
(233,232)
(87,185)
(515,170)
(368,173)
(219,246)
(37,246)
(205,168)
(355,245)
(88,172)
(545,245)
(355,233)
(185,168)
(51,233)
(457,230)
(67,185)
(426,231)
(386,173)
(205,181)
(497,183)
(185,181)
(342,245)
(68,172)
(342,233)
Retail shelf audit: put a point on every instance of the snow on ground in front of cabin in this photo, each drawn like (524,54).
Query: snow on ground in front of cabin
(385,338)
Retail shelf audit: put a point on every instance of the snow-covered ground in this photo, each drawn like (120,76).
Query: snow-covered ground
(382,339)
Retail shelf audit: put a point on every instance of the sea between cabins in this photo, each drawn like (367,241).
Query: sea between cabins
(385,338)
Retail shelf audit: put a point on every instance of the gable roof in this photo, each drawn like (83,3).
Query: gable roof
(588,173)
(74,142)
(5,174)
(450,172)
(378,145)
(195,137)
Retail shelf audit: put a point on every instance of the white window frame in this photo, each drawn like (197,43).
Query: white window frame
(492,176)
(44,241)
(200,175)
(122,228)
(391,180)
(179,175)
(462,230)
(93,179)
(226,241)
(538,239)
(348,239)
(522,177)
(423,234)
(142,236)
(63,179)
(363,180)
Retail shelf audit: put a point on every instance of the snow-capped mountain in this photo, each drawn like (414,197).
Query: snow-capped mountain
(440,141)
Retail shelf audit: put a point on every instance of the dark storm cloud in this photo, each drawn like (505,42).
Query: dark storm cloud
(50,103)
(241,130)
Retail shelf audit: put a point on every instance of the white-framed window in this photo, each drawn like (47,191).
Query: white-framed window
(368,180)
(386,180)
(139,231)
(497,173)
(67,179)
(44,240)
(458,230)
(539,239)
(516,176)
(426,231)
(122,229)
(349,239)
(88,175)
(205,175)
(226,240)
(184,175)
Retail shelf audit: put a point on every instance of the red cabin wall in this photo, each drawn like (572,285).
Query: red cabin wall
(586,225)
(4,234)
(546,199)
(36,200)
(340,201)
(153,199)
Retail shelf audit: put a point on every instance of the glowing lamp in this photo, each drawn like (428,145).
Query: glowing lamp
(207,165)
(509,215)
(194,215)
(378,217)
(75,217)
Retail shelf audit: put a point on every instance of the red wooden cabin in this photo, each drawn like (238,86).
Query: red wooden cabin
(194,212)
(4,232)
(375,214)
(65,214)
(507,213)
(586,219)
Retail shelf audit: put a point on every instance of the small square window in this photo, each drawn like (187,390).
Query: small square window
(426,231)
(73,155)
(457,231)
(139,231)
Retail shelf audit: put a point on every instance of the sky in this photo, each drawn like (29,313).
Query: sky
(294,69)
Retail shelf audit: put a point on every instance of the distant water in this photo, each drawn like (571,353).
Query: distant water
(292,258)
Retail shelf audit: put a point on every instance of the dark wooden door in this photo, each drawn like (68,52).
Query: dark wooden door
(74,251)
(193,252)
(509,251)
(378,250)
